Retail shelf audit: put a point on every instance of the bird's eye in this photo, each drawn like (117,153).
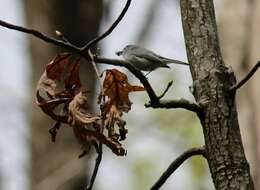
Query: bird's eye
(119,53)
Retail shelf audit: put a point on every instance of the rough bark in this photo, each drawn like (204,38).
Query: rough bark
(212,79)
(79,22)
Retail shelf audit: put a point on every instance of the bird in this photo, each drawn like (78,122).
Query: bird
(144,59)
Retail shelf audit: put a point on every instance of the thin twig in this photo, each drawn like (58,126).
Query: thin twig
(95,171)
(95,68)
(41,36)
(176,164)
(61,36)
(181,103)
(110,29)
(246,78)
(166,90)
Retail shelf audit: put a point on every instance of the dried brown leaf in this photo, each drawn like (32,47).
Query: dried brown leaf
(72,82)
(47,85)
(113,119)
(78,112)
(86,135)
(65,69)
(48,107)
(57,66)
(60,70)
(117,88)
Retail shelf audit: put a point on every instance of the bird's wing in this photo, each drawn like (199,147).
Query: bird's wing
(152,57)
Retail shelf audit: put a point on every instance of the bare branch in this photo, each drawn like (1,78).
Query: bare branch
(181,103)
(154,99)
(176,164)
(95,171)
(110,29)
(41,36)
(247,77)
(91,55)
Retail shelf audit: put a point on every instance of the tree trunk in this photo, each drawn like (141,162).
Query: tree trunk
(53,164)
(212,79)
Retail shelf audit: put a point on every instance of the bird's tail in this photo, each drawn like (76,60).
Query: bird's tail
(167,60)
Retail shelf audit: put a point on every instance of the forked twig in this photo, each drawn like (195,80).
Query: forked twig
(181,103)
(95,68)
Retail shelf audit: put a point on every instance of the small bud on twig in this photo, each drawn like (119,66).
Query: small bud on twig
(58,33)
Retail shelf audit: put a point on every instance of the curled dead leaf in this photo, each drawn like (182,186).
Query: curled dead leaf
(48,96)
(87,135)
(55,69)
(46,84)
(48,107)
(114,119)
(78,112)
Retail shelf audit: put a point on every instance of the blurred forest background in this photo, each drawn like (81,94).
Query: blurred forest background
(29,160)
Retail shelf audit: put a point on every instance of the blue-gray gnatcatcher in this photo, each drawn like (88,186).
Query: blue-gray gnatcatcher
(144,59)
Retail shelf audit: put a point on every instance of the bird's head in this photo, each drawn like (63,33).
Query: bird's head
(127,49)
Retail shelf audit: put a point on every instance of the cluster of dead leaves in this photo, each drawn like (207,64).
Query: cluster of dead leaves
(61,96)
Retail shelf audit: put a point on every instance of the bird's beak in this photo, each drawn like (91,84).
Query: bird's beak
(118,53)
